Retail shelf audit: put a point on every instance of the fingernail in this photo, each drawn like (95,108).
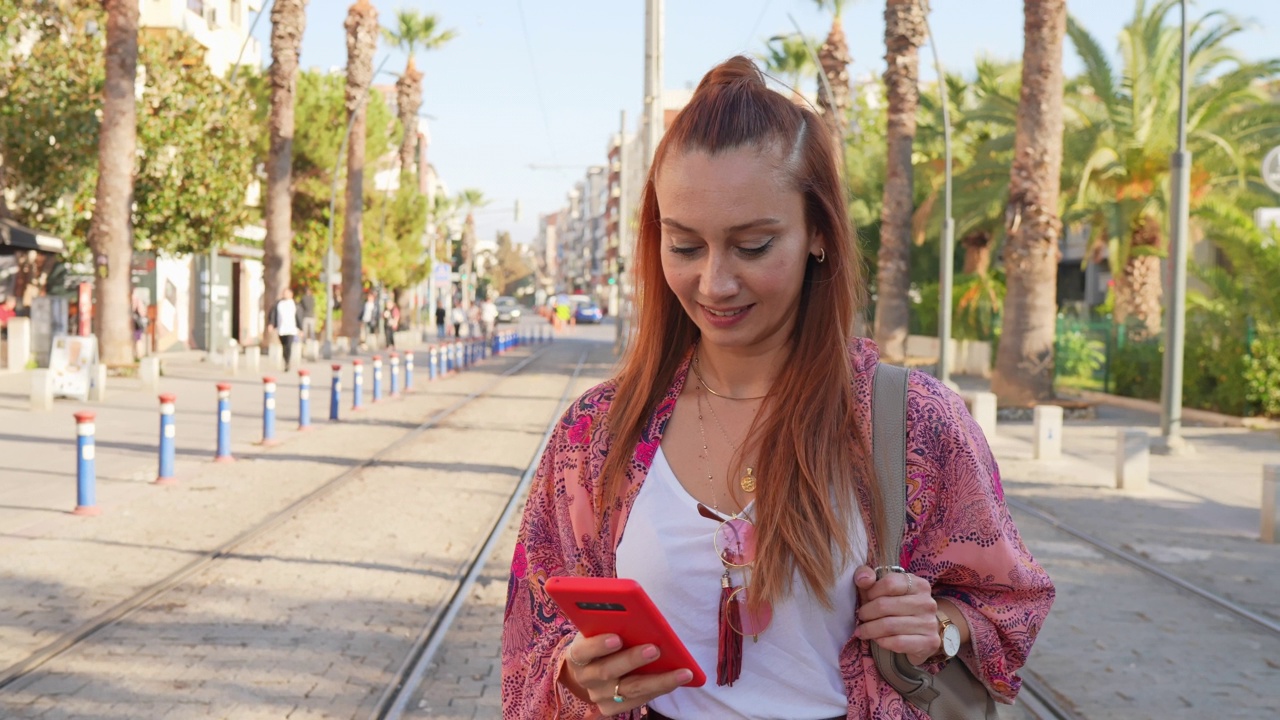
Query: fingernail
(650,653)
(613,642)
(684,676)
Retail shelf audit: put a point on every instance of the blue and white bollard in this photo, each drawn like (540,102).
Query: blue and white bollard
(395,375)
(304,400)
(408,372)
(433,364)
(86,476)
(224,424)
(167,433)
(335,392)
(269,412)
(357,383)
(446,359)
(377,378)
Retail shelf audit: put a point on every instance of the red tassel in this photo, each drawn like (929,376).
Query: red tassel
(729,659)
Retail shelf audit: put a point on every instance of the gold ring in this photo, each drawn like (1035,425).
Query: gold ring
(617,697)
(910,579)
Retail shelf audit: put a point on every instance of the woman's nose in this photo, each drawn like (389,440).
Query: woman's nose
(719,280)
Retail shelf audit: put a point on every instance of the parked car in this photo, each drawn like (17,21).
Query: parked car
(508,309)
(587,313)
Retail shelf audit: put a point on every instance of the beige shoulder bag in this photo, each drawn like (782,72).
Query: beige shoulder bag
(954,693)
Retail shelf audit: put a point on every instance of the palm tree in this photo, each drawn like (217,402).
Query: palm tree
(110,230)
(834,58)
(362,41)
(413,30)
(1123,189)
(1024,362)
(288,21)
(903,35)
(788,57)
(469,199)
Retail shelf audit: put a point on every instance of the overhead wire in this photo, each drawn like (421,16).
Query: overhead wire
(537,84)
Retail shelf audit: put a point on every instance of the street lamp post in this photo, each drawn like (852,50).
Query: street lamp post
(1171,441)
(948,251)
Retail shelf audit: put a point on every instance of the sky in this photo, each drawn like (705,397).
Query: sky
(544,82)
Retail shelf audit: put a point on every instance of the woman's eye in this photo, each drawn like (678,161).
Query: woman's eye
(758,250)
(682,250)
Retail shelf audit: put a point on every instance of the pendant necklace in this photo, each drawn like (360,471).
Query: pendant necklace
(748,481)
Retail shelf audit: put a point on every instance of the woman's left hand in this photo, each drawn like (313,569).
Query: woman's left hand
(898,612)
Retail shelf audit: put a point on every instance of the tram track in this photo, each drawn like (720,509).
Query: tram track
(393,702)
(207,559)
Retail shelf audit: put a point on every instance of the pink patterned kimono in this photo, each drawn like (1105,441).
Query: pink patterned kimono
(958,536)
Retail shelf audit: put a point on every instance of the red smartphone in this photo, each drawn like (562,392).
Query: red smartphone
(598,606)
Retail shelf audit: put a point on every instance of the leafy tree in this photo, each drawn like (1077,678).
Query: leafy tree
(362,39)
(393,228)
(413,30)
(1123,188)
(787,56)
(511,267)
(288,22)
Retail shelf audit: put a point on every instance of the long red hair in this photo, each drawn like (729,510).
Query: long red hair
(805,437)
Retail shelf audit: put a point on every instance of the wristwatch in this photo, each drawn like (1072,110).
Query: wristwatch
(950,635)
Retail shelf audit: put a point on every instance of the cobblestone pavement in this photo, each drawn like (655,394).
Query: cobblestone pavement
(307,620)
(1119,643)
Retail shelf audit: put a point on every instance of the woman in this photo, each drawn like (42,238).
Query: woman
(744,402)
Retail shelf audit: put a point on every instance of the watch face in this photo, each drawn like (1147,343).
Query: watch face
(951,640)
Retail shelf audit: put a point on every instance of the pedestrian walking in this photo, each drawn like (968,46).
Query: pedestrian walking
(473,320)
(284,319)
(138,315)
(391,321)
(488,317)
(8,311)
(369,317)
(307,311)
(727,467)
(458,316)
(441,317)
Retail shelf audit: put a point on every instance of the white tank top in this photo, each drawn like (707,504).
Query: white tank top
(793,671)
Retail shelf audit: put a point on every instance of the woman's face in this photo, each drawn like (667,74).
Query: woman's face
(734,244)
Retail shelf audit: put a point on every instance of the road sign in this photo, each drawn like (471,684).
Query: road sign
(1271,169)
(442,274)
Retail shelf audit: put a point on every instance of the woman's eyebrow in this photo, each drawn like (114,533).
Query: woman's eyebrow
(759,222)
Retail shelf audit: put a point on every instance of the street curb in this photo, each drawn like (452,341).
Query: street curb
(1205,417)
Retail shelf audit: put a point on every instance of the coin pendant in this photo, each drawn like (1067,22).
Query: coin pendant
(749,481)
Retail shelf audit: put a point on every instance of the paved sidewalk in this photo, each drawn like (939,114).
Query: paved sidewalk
(1119,644)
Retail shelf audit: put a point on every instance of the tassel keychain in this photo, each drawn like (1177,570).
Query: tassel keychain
(729,657)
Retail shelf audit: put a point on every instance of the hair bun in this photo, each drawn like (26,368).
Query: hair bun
(737,70)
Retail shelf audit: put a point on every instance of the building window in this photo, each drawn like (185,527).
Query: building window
(237,13)
(196,6)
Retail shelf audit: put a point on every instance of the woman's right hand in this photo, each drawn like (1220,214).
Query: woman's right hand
(597,669)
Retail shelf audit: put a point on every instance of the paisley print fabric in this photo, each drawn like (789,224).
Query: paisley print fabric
(958,535)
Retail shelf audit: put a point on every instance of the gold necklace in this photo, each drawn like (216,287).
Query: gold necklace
(748,481)
(697,363)
(706,454)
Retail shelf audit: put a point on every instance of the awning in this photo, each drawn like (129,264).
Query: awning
(14,237)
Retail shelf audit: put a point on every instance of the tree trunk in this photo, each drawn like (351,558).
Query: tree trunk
(110,231)
(408,102)
(1024,363)
(977,252)
(1139,291)
(362,40)
(903,35)
(834,59)
(288,20)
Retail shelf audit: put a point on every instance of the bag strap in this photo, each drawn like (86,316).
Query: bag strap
(889,448)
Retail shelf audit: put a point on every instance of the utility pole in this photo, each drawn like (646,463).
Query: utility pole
(947,268)
(653,121)
(1171,441)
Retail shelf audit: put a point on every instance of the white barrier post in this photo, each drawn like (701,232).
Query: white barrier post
(1270,503)
(149,372)
(19,329)
(41,390)
(1047,444)
(1133,459)
(98,386)
(983,409)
